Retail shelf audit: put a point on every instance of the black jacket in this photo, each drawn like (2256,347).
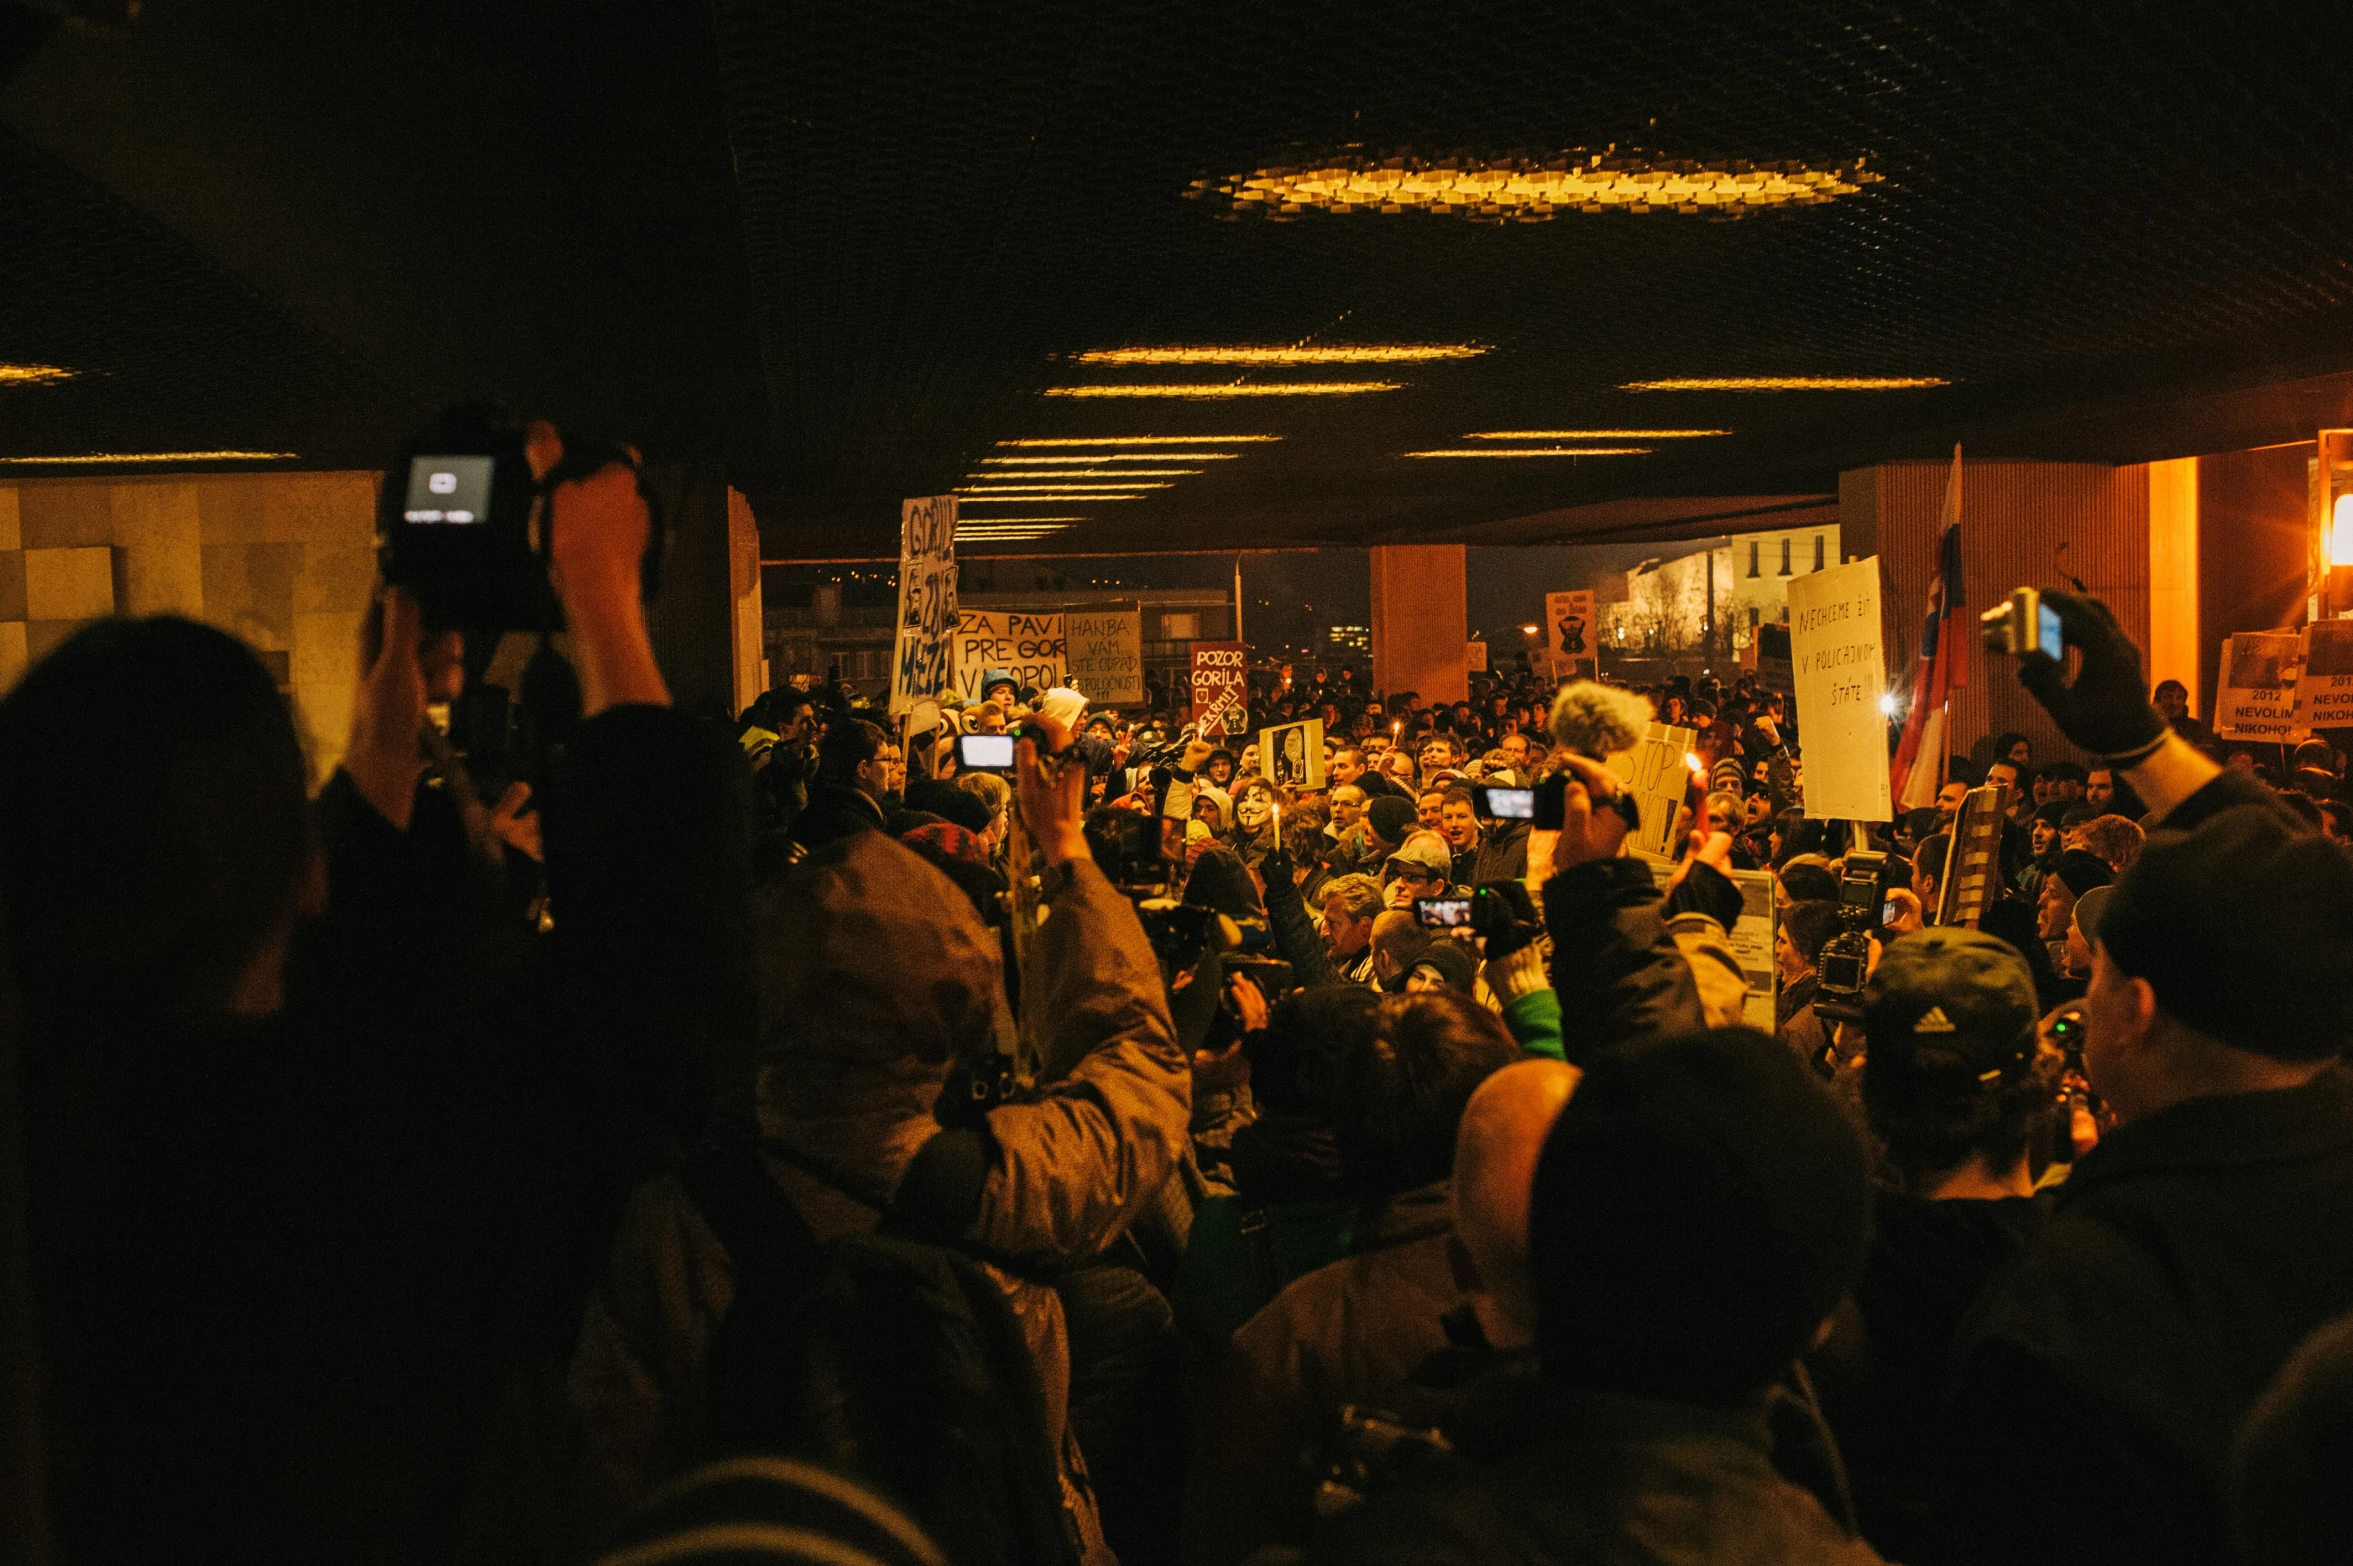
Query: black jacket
(1502,855)
(1618,973)
(1566,1476)
(2190,1254)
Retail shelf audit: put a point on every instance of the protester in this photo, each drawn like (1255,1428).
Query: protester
(2202,1240)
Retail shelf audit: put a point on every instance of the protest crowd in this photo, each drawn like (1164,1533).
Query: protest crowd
(678,1139)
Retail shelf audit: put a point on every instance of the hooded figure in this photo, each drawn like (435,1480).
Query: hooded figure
(875,979)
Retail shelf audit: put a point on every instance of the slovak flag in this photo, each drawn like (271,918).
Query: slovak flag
(1917,773)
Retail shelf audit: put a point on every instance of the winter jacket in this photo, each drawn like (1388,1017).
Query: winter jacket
(1345,1333)
(1502,856)
(2189,1255)
(860,1025)
(1296,938)
(1574,1476)
(1617,972)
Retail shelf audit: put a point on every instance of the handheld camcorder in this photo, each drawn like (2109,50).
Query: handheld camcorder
(1503,804)
(2022,626)
(462,523)
(1845,961)
(1490,914)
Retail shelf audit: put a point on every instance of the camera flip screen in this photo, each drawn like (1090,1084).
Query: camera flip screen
(2051,637)
(985,752)
(1509,804)
(449,490)
(1443,913)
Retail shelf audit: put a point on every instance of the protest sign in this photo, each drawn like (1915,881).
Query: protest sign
(1474,657)
(1568,619)
(1751,935)
(1841,673)
(1026,645)
(1292,756)
(2324,695)
(921,660)
(1221,687)
(1106,654)
(2257,701)
(1657,774)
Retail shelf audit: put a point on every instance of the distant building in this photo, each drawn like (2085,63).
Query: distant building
(1356,639)
(1764,563)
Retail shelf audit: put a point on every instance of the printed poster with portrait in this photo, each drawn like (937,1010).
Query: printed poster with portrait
(1292,756)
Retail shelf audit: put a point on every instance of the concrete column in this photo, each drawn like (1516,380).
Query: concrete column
(2174,641)
(1420,621)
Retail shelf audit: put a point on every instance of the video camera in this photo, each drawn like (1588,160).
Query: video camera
(2020,626)
(1845,961)
(462,522)
(1489,914)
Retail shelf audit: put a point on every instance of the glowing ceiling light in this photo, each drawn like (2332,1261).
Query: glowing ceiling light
(1782,383)
(970,498)
(1528,189)
(1068,473)
(1055,489)
(1591,434)
(1146,440)
(1542,451)
(1368,353)
(1114,456)
(92,458)
(33,374)
(1233,389)
(1020,522)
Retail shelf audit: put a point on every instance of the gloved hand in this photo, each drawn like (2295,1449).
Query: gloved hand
(1276,869)
(2106,710)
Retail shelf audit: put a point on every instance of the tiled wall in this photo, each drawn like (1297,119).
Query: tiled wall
(284,560)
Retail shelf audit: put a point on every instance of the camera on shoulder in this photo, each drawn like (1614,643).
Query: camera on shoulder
(1844,964)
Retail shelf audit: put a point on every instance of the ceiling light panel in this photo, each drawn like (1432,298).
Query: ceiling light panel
(1055,489)
(1367,353)
(33,374)
(1145,440)
(1591,434)
(95,458)
(1113,456)
(996,497)
(1790,383)
(1540,451)
(1233,389)
(1063,473)
(1529,190)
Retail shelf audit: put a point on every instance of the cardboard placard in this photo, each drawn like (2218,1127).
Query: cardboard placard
(1570,633)
(1474,657)
(1841,674)
(922,659)
(2257,699)
(1971,877)
(1221,687)
(1751,937)
(1027,645)
(2324,694)
(1106,654)
(1657,775)
(1292,756)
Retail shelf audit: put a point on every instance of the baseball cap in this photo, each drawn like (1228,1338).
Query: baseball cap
(1951,1000)
(1426,850)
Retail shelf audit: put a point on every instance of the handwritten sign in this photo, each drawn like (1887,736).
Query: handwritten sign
(1106,653)
(2257,700)
(1474,657)
(1293,756)
(921,659)
(1840,671)
(1221,687)
(1030,647)
(2324,696)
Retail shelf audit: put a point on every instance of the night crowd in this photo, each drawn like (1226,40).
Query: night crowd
(589,1130)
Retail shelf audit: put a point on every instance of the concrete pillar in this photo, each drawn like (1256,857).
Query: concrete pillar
(1420,621)
(2174,640)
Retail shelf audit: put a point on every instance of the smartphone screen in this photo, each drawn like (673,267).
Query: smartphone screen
(2050,636)
(985,752)
(449,490)
(1887,913)
(1443,913)
(1508,804)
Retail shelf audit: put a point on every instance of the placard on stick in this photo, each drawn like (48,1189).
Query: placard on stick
(1028,645)
(2324,695)
(1840,670)
(1221,687)
(922,657)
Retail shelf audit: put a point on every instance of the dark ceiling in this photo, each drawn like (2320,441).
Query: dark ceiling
(846,249)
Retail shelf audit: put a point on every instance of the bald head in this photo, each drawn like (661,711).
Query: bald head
(1495,1151)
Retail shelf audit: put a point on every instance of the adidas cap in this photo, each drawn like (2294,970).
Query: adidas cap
(1954,997)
